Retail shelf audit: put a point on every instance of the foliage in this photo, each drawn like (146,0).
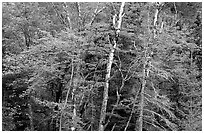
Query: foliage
(55,56)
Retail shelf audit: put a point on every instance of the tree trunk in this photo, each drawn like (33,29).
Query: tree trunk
(108,70)
(156,15)
(66,100)
(147,59)
(75,86)
(31,117)
(144,82)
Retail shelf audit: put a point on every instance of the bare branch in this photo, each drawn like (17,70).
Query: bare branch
(78,9)
(59,15)
(96,12)
(67,15)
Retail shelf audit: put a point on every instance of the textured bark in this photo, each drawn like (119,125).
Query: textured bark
(26,40)
(147,59)
(145,75)
(66,100)
(31,117)
(142,99)
(133,108)
(108,70)
(76,81)
(157,10)
(155,21)
(79,16)
(78,9)
(105,93)
(156,16)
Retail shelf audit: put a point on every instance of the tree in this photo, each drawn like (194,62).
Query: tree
(79,66)
(110,62)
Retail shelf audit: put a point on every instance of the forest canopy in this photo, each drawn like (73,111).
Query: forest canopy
(102,66)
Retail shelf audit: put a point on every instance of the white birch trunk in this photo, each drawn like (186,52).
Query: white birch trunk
(146,69)
(66,100)
(155,22)
(110,62)
(76,81)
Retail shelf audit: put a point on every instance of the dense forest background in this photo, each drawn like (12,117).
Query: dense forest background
(102,66)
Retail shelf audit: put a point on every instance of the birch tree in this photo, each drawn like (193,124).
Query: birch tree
(147,60)
(117,24)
